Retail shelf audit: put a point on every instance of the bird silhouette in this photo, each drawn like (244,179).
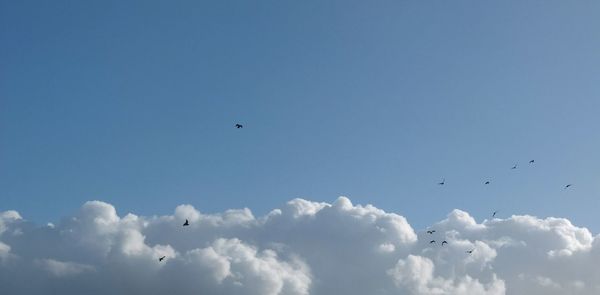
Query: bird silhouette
(494,214)
(161,258)
(238,126)
(443,181)
(514,167)
(431,231)
(568,186)
(532,161)
(444,242)
(432,242)
(487,182)
(470,251)
(186,223)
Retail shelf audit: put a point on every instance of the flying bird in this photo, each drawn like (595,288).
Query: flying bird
(432,242)
(514,167)
(187,223)
(431,231)
(470,251)
(487,182)
(161,258)
(444,242)
(494,214)
(443,181)
(568,186)
(532,161)
(238,126)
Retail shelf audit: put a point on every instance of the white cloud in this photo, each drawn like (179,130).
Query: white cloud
(8,217)
(302,248)
(62,269)
(416,275)
(4,251)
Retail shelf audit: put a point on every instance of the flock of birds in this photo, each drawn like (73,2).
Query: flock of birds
(512,168)
(430,232)
(443,182)
(433,241)
(444,242)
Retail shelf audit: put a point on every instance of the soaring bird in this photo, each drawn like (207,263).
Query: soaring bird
(514,167)
(470,251)
(431,231)
(238,126)
(532,161)
(186,223)
(568,185)
(444,242)
(487,182)
(161,258)
(443,181)
(494,214)
(432,242)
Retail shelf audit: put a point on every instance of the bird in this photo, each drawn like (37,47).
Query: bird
(487,182)
(514,167)
(161,258)
(443,181)
(432,242)
(238,126)
(494,214)
(186,223)
(431,231)
(568,186)
(444,242)
(470,251)
(532,161)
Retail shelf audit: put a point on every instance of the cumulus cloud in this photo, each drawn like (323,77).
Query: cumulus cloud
(61,269)
(301,248)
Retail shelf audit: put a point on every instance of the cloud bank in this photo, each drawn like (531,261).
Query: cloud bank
(303,248)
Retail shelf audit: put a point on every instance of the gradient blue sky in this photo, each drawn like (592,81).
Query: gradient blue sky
(134,104)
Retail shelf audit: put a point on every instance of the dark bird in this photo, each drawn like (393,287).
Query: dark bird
(568,185)
(443,181)
(470,251)
(432,242)
(487,182)
(238,126)
(532,161)
(161,258)
(444,242)
(431,231)
(494,214)
(186,223)
(514,167)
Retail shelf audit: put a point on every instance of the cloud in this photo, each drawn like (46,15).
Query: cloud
(302,248)
(416,274)
(62,269)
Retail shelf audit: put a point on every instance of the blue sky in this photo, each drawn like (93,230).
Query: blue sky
(134,104)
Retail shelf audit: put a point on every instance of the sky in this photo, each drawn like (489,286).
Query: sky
(135,103)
